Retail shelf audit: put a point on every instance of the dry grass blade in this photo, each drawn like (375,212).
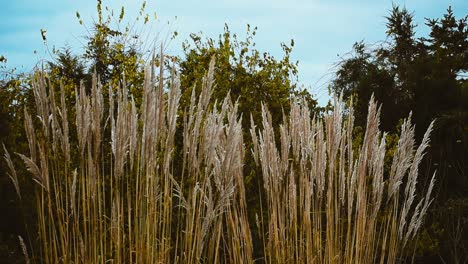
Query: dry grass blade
(12,174)
(34,169)
(24,250)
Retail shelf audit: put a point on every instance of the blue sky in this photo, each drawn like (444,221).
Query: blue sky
(321,29)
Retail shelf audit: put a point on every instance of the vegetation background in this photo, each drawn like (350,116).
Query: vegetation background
(426,76)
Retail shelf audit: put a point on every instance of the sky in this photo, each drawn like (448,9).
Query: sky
(323,31)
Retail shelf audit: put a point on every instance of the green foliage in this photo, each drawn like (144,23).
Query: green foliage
(243,71)
(114,54)
(113,51)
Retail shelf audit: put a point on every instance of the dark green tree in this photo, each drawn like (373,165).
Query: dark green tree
(242,71)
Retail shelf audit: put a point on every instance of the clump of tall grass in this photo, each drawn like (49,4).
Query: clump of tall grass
(327,203)
(118,200)
(112,189)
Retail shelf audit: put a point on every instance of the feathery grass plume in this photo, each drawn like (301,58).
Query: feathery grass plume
(24,250)
(30,135)
(12,174)
(64,117)
(36,172)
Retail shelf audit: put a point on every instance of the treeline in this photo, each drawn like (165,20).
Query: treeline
(425,76)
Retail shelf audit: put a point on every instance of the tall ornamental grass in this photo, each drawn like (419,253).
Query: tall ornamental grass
(114,187)
(329,202)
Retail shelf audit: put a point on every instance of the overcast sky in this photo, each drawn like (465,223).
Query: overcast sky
(322,30)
